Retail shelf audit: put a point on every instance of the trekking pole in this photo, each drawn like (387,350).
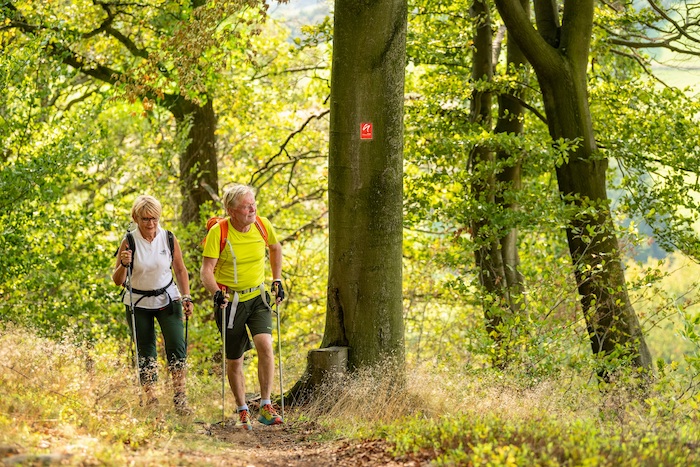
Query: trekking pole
(187,322)
(133,324)
(223,366)
(279,356)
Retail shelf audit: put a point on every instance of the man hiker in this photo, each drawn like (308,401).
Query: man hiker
(233,270)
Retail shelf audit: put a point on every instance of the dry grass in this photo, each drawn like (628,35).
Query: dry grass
(492,418)
(80,403)
(360,402)
(83,405)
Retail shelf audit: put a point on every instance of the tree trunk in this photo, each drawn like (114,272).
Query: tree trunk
(559,56)
(487,254)
(198,163)
(365,195)
(593,245)
(364,309)
(497,258)
(510,120)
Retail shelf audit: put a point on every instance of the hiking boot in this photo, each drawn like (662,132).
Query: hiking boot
(150,402)
(244,420)
(181,406)
(183,410)
(268,415)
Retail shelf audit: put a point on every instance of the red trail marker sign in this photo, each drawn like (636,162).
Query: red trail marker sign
(365,130)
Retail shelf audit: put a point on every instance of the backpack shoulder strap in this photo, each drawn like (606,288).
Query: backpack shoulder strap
(171,245)
(223,226)
(132,243)
(261,228)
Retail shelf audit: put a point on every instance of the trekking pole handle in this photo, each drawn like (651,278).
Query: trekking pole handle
(219,299)
(126,256)
(278,290)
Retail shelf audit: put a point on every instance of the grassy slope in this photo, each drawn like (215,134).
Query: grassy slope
(67,401)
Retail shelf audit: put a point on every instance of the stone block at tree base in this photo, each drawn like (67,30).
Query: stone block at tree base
(327,363)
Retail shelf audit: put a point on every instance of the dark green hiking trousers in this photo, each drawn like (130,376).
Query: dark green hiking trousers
(173,328)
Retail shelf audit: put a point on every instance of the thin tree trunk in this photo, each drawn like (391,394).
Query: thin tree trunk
(510,120)
(489,261)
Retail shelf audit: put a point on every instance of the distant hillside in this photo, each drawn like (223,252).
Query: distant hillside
(298,13)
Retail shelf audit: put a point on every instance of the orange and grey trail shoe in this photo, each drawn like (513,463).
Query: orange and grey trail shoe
(244,420)
(268,416)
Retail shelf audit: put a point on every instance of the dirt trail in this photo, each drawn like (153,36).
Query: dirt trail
(291,446)
(294,445)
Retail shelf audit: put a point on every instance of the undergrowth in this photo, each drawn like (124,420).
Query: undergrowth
(492,418)
(83,402)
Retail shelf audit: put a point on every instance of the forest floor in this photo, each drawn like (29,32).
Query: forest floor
(298,445)
(215,444)
(90,415)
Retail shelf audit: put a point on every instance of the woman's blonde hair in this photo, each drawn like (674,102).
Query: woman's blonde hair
(233,195)
(146,205)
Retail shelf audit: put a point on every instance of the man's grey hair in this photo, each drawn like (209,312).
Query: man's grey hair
(233,195)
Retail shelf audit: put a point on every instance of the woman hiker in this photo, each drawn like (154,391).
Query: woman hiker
(154,254)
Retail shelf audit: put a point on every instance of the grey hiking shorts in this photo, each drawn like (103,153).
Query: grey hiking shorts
(253,315)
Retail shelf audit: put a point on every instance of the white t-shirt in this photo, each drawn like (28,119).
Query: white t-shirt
(151,271)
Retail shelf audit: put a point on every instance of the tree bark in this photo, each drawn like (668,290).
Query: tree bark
(510,120)
(364,310)
(497,258)
(487,255)
(364,307)
(198,163)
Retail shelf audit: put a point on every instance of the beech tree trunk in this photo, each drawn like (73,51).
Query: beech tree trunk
(365,194)
(364,311)
(497,259)
(487,254)
(510,113)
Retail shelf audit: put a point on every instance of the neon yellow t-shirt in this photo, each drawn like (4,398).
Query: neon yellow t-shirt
(249,251)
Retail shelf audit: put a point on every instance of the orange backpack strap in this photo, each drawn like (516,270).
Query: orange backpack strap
(223,225)
(261,228)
